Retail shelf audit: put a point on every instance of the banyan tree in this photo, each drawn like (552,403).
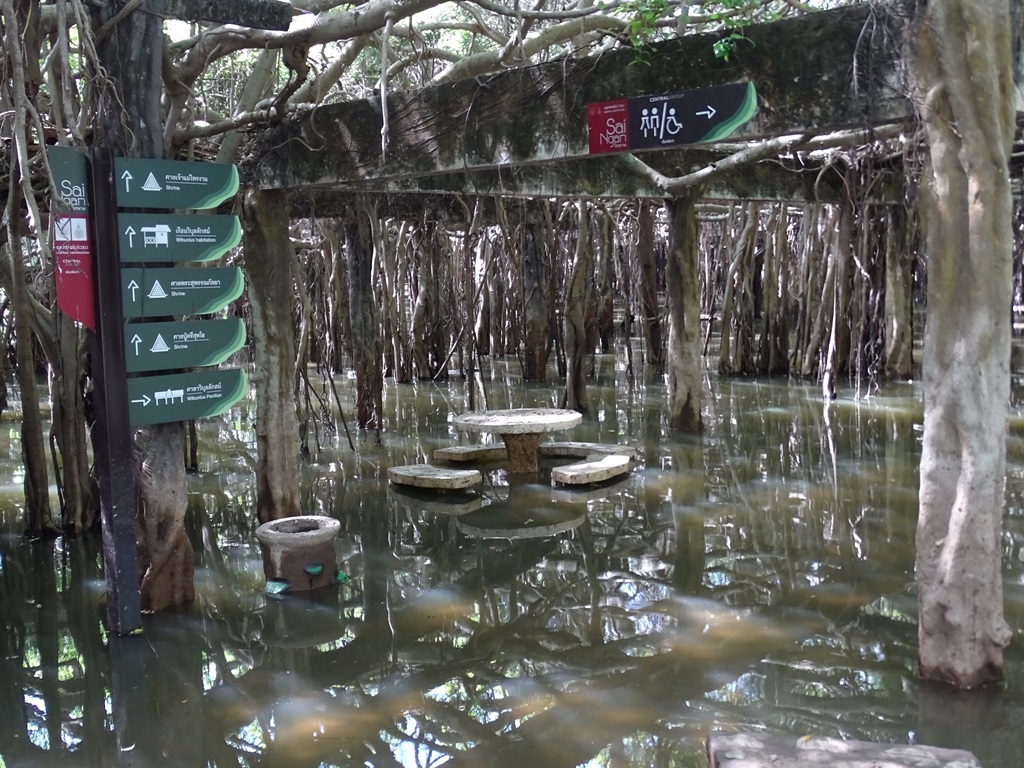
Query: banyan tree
(420,194)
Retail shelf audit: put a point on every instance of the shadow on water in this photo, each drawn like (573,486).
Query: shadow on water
(759,577)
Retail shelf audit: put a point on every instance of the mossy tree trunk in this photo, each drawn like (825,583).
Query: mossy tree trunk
(682,279)
(650,286)
(536,303)
(365,323)
(268,265)
(578,302)
(962,66)
(131,125)
(899,296)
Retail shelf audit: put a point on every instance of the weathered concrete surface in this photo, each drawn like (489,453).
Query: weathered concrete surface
(744,750)
(823,71)
(603,176)
(258,14)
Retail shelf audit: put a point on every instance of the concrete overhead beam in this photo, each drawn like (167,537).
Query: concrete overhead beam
(821,72)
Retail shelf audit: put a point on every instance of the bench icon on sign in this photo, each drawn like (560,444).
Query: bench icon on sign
(168,396)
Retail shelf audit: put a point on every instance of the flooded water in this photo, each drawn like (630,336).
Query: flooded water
(757,578)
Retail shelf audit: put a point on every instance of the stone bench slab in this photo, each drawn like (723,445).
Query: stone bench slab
(467,453)
(585,450)
(438,478)
(748,750)
(594,470)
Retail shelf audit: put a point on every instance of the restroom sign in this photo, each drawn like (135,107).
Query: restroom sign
(669,119)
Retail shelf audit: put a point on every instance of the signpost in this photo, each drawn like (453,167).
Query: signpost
(160,292)
(145,183)
(91,239)
(176,237)
(163,346)
(670,119)
(184,396)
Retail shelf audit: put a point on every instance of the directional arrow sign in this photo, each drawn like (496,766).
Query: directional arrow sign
(175,237)
(184,396)
(670,119)
(163,346)
(155,292)
(148,183)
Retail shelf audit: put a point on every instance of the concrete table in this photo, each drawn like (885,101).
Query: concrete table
(521,430)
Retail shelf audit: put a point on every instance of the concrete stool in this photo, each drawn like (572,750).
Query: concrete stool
(298,552)
(467,453)
(582,450)
(437,478)
(593,470)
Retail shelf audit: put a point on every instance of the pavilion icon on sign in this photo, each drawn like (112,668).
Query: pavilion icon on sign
(157,291)
(152,185)
(169,396)
(156,235)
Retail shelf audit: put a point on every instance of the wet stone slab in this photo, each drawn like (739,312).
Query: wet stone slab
(743,750)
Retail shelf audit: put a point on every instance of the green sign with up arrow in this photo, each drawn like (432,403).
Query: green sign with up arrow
(175,237)
(149,183)
(160,292)
(163,346)
(184,396)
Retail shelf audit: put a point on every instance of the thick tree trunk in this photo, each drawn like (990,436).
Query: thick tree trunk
(579,297)
(166,561)
(131,124)
(682,278)
(962,68)
(364,318)
(536,304)
(268,258)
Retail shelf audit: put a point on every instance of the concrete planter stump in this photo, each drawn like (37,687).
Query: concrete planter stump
(299,551)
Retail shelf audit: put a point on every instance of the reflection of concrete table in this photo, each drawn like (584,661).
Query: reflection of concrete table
(521,430)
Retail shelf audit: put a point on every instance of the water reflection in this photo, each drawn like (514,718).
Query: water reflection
(757,577)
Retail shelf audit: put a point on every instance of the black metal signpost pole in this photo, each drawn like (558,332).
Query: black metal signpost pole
(113,440)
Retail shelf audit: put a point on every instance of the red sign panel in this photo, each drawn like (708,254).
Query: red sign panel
(608,122)
(72,266)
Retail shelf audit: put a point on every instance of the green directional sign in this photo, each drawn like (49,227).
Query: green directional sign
(184,396)
(163,346)
(156,292)
(175,237)
(148,183)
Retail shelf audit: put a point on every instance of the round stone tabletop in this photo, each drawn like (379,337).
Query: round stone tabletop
(518,421)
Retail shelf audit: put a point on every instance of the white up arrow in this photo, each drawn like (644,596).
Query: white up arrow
(133,287)
(136,340)
(127,177)
(130,232)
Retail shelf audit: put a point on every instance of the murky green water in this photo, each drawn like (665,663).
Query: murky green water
(757,578)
